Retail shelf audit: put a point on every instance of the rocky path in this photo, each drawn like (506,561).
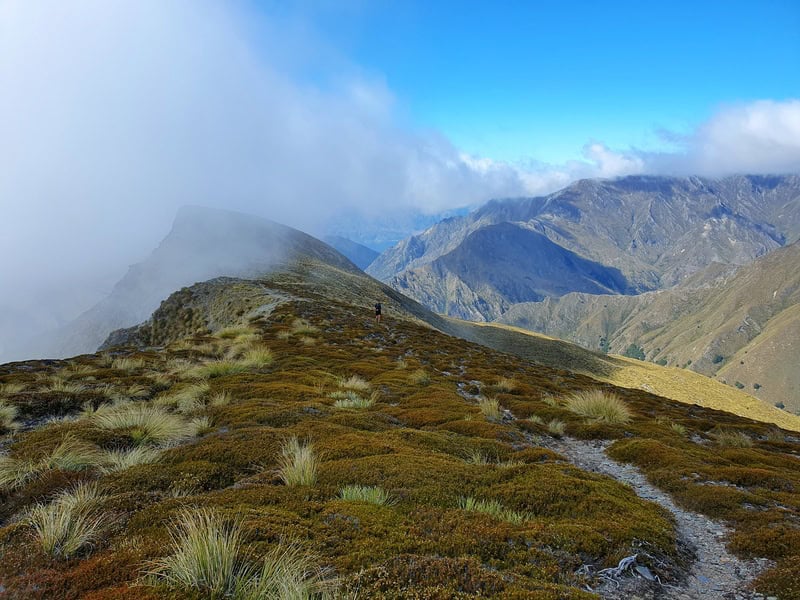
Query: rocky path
(714,572)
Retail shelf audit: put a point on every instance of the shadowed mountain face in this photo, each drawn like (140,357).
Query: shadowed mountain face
(499,265)
(740,324)
(655,230)
(359,255)
(203,243)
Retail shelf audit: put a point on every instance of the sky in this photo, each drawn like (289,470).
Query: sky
(114,113)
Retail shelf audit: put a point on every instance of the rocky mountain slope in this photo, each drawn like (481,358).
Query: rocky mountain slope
(202,244)
(271,425)
(740,325)
(358,254)
(655,230)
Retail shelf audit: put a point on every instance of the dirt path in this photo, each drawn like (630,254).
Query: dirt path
(714,572)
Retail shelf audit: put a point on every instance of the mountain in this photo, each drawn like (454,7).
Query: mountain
(655,230)
(359,255)
(203,243)
(271,425)
(499,265)
(738,324)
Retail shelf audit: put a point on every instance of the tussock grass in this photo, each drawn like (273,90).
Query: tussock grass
(258,358)
(308,341)
(234,333)
(350,399)
(556,428)
(599,405)
(71,454)
(222,398)
(298,463)
(477,457)
(370,494)
(217,368)
(494,509)
(490,408)
(354,382)
(9,389)
(302,326)
(61,386)
(283,335)
(401,363)
(419,377)
(550,400)
(678,428)
(187,398)
(146,424)
(8,416)
(119,460)
(733,439)
(207,557)
(536,419)
(70,523)
(127,364)
(505,384)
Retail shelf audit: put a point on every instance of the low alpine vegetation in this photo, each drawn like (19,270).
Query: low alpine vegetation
(505,384)
(733,439)
(494,509)
(350,399)
(8,415)
(598,405)
(490,407)
(145,424)
(127,364)
(365,493)
(69,523)
(298,463)
(419,377)
(119,460)
(556,428)
(71,454)
(354,382)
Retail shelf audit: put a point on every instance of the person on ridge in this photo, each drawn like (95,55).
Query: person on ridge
(378,312)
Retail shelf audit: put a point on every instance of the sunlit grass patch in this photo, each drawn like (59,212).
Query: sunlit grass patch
(8,416)
(556,427)
(69,523)
(119,460)
(71,454)
(308,341)
(505,384)
(217,368)
(494,509)
(536,419)
(298,463)
(401,363)
(490,407)
(127,364)
(476,456)
(222,398)
(9,389)
(258,358)
(598,405)
(732,439)
(61,386)
(146,424)
(354,382)
(302,326)
(235,332)
(370,494)
(350,399)
(550,400)
(419,377)
(187,398)
(207,557)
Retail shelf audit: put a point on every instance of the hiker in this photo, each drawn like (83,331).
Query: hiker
(378,312)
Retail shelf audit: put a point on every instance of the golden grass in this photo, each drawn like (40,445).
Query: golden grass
(302,326)
(119,460)
(297,463)
(350,399)
(61,386)
(222,398)
(70,523)
(9,389)
(8,416)
(127,364)
(505,384)
(354,382)
(145,423)
(733,439)
(258,358)
(556,428)
(419,377)
(217,368)
(477,457)
(599,405)
(490,407)
(370,494)
(494,509)
(235,332)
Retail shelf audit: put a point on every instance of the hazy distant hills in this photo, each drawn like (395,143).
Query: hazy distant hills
(360,255)
(654,230)
(203,243)
(743,325)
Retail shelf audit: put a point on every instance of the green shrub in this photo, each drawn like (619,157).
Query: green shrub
(634,351)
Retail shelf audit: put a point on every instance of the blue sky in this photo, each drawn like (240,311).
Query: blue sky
(538,80)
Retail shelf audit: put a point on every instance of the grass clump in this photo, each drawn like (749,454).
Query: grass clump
(9,389)
(494,509)
(146,424)
(505,384)
(491,409)
(370,494)
(233,333)
(207,557)
(71,454)
(354,382)
(556,428)
(258,358)
(733,439)
(598,405)
(298,463)
(218,368)
(127,364)
(419,377)
(350,399)
(302,326)
(222,398)
(70,523)
(61,386)
(475,456)
(8,416)
(119,460)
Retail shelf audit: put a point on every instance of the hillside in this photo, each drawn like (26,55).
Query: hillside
(500,265)
(358,254)
(479,501)
(655,230)
(736,325)
(203,243)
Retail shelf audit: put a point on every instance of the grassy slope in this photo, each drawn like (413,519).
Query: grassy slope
(413,443)
(678,384)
